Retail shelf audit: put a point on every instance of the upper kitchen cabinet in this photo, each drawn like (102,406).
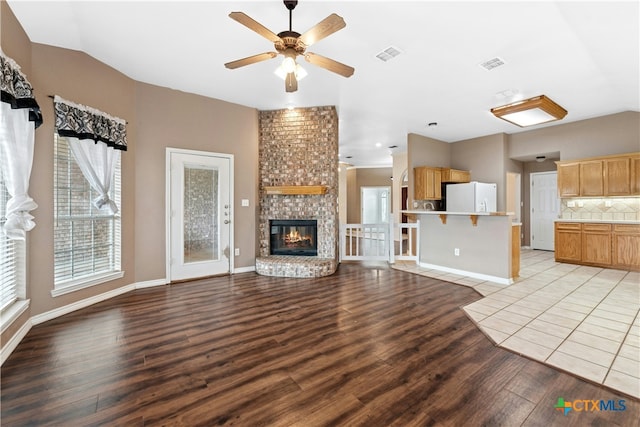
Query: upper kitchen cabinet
(617,175)
(568,179)
(426,183)
(591,182)
(455,176)
(635,175)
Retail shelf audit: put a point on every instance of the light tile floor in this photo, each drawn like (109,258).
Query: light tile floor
(582,320)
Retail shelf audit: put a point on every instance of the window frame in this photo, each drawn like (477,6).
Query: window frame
(72,284)
(16,307)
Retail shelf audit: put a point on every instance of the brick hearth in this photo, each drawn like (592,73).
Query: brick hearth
(299,147)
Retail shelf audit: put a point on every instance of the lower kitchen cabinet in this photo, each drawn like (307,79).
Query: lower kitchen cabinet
(598,244)
(626,246)
(568,242)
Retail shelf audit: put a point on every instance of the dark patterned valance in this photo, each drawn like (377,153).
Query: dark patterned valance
(16,89)
(84,122)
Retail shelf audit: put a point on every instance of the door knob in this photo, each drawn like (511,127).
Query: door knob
(226,221)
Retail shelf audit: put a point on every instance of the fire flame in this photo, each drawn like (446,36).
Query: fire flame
(294,236)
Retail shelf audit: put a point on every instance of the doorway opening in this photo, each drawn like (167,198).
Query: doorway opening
(375,205)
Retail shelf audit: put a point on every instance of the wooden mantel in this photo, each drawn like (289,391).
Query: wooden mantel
(296,189)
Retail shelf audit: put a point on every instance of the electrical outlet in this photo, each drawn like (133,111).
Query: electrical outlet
(571,204)
(580,204)
(237,252)
(607,203)
(456,251)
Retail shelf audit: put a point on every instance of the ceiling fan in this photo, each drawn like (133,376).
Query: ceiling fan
(290,44)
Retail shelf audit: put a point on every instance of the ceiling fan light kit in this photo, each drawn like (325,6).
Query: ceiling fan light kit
(290,44)
(300,72)
(530,112)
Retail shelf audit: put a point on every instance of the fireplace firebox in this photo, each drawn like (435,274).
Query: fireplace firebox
(293,237)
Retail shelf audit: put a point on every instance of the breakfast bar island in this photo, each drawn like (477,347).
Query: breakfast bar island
(483,245)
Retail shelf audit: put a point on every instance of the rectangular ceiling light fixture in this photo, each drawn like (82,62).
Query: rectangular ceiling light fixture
(530,112)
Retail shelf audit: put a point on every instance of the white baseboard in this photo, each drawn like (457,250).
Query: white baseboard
(69,308)
(151,283)
(13,342)
(244,269)
(480,276)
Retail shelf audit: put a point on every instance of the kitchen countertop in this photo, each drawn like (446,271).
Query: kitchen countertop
(605,221)
(425,212)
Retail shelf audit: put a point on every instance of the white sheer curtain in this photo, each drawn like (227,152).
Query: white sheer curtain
(95,139)
(16,150)
(19,116)
(97,161)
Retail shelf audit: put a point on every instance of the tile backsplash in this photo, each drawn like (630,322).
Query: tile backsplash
(607,209)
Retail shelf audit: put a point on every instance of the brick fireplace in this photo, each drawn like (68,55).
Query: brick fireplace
(299,150)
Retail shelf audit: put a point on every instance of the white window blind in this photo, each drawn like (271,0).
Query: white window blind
(11,257)
(86,239)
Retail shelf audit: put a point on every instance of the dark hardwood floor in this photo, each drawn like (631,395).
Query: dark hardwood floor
(367,346)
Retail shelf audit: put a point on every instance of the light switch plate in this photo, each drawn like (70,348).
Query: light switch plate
(245,202)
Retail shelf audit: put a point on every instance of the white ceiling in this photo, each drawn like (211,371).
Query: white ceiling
(583,55)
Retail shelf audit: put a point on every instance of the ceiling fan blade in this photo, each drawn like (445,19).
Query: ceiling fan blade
(322,29)
(329,64)
(250,60)
(291,83)
(254,25)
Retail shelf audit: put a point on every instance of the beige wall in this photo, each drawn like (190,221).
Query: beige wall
(399,169)
(353,203)
(16,45)
(170,118)
(342,192)
(489,158)
(423,151)
(79,78)
(613,134)
(365,177)
(157,118)
(484,157)
(484,249)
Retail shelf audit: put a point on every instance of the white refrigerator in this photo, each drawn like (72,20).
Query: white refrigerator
(471,197)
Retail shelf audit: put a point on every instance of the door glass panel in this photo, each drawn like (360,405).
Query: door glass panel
(200,214)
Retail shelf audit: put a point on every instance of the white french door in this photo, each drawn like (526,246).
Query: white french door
(375,205)
(199,214)
(545,206)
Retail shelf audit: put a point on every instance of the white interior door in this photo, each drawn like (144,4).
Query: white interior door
(199,214)
(545,206)
(375,205)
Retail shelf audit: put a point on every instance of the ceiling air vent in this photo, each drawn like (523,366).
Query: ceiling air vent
(492,63)
(387,54)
